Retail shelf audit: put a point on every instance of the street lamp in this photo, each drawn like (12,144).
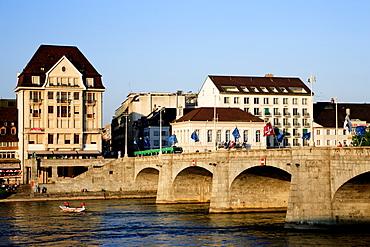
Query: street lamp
(160,129)
(311,80)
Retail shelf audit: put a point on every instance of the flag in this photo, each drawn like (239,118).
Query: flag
(194,136)
(268,130)
(137,146)
(360,130)
(172,139)
(347,124)
(280,138)
(227,145)
(236,133)
(232,144)
(306,136)
(146,140)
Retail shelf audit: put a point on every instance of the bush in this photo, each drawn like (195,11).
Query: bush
(3,194)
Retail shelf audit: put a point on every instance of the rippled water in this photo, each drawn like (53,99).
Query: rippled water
(133,222)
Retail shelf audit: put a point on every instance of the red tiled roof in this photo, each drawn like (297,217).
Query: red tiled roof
(222,114)
(47,55)
(267,82)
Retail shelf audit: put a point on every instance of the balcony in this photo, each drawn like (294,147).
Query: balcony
(296,125)
(90,102)
(296,115)
(286,125)
(64,100)
(286,114)
(306,115)
(36,101)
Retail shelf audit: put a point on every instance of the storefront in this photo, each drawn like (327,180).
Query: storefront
(10,171)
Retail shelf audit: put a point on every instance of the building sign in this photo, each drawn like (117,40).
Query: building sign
(10,166)
(36,129)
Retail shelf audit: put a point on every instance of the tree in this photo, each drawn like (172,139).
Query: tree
(359,141)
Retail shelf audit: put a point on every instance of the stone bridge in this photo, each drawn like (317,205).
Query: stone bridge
(315,186)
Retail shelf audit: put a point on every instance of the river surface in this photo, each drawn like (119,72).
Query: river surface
(140,222)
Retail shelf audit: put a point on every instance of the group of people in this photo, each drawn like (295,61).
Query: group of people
(39,189)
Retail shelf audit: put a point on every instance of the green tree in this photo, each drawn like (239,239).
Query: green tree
(359,141)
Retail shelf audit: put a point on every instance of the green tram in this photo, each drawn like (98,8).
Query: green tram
(169,150)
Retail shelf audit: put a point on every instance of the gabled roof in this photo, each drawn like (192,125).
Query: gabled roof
(262,85)
(324,113)
(225,114)
(47,56)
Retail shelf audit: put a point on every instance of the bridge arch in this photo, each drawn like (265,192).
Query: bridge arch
(351,200)
(260,188)
(193,185)
(147,179)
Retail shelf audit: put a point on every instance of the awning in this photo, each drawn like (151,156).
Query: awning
(91,152)
(41,152)
(65,152)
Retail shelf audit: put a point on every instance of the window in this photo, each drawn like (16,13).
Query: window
(50,109)
(36,80)
(256,100)
(285,122)
(285,112)
(276,121)
(246,109)
(295,112)
(256,111)
(246,100)
(266,101)
(304,101)
(318,143)
(67,141)
(318,132)
(227,135)
(226,100)
(36,113)
(50,138)
(328,132)
(76,139)
(90,82)
(63,111)
(276,101)
(244,88)
(328,142)
(274,89)
(305,122)
(236,100)
(264,89)
(295,122)
(3,131)
(285,101)
(258,136)
(76,96)
(305,112)
(295,101)
(13,130)
(254,89)
(156,133)
(245,135)
(50,95)
(209,136)
(218,136)
(295,143)
(276,111)
(267,111)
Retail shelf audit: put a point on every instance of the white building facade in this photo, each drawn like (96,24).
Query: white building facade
(284,102)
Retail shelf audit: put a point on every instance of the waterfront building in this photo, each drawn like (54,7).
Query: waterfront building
(285,102)
(59,101)
(214,128)
(329,122)
(127,127)
(10,167)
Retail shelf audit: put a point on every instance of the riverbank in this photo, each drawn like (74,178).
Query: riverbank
(64,196)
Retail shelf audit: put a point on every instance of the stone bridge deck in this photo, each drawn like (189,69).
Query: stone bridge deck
(316,186)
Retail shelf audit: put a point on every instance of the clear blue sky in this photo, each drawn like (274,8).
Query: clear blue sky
(165,46)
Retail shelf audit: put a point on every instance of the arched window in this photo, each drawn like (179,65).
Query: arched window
(13,130)
(3,130)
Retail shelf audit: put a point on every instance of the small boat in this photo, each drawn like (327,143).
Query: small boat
(67,208)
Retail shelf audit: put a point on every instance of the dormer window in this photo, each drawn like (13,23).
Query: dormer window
(283,89)
(245,89)
(264,89)
(254,89)
(42,68)
(230,88)
(297,90)
(90,82)
(64,69)
(36,80)
(274,89)
(2,131)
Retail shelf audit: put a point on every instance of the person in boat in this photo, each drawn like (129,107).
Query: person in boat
(66,204)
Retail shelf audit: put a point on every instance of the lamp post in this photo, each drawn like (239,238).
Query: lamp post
(311,80)
(160,129)
(335,100)
(126,122)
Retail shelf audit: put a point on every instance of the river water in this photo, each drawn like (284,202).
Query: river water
(140,222)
